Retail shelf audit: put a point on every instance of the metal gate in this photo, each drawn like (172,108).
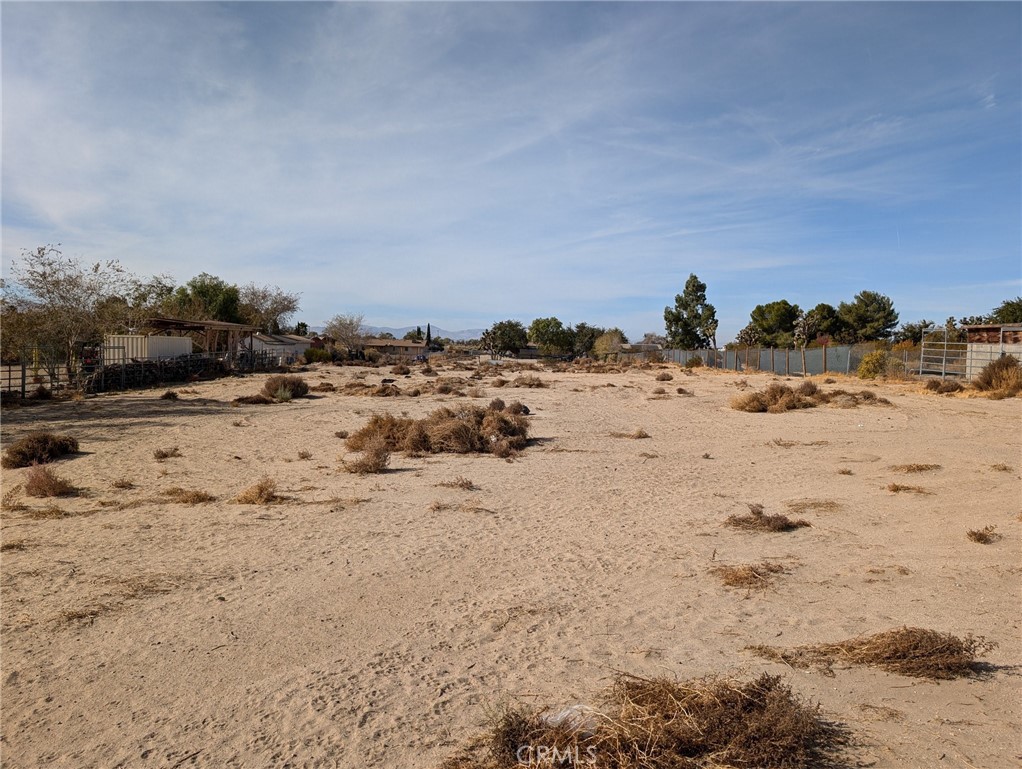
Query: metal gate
(943,353)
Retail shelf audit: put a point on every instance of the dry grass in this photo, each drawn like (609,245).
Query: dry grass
(907,651)
(123,483)
(1001,378)
(375,458)
(281,387)
(778,398)
(461,482)
(41,481)
(48,513)
(747,575)
(252,400)
(985,536)
(637,434)
(845,471)
(188,496)
(11,499)
(529,380)
(38,449)
(401,370)
(814,505)
(461,430)
(304,455)
(161,454)
(662,723)
(897,488)
(324,387)
(263,492)
(1001,467)
(170,395)
(757,520)
(944,387)
(14,545)
(914,468)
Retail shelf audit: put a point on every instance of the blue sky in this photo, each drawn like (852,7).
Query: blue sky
(469,162)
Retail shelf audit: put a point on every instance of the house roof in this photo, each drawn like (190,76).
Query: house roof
(177,324)
(375,342)
(280,339)
(995,326)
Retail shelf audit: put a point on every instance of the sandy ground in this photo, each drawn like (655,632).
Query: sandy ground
(358,624)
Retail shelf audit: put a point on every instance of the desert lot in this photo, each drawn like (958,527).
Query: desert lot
(379,620)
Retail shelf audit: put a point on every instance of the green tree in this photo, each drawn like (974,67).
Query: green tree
(301,328)
(267,307)
(429,336)
(504,338)
(585,338)
(828,323)
(1008,311)
(207,297)
(775,322)
(551,336)
(748,336)
(609,343)
(692,322)
(911,332)
(869,317)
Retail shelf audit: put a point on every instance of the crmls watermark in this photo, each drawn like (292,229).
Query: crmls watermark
(545,755)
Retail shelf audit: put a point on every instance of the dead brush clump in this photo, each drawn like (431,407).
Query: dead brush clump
(944,387)
(161,454)
(635,435)
(188,496)
(374,459)
(907,651)
(252,400)
(461,482)
(661,723)
(262,492)
(1001,378)
(529,380)
(460,430)
(499,382)
(401,370)
(170,395)
(748,576)
(664,376)
(38,449)
(123,483)
(914,468)
(814,505)
(778,398)
(276,385)
(325,387)
(757,520)
(897,488)
(985,536)
(41,481)
(11,499)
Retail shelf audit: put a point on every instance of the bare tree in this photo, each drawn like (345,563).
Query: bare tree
(267,306)
(346,330)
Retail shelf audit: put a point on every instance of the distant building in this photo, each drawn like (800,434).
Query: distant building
(989,342)
(288,347)
(401,348)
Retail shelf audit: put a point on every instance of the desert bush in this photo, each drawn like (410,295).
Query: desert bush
(637,434)
(317,355)
(517,407)
(43,482)
(808,388)
(255,400)
(694,362)
(461,482)
(875,364)
(664,376)
(41,393)
(945,386)
(38,449)
(496,405)
(757,520)
(373,356)
(188,496)
(170,395)
(663,723)
(401,369)
(659,391)
(984,536)
(375,458)
(748,576)
(160,454)
(294,386)
(528,380)
(325,387)
(262,492)
(1002,376)
(908,651)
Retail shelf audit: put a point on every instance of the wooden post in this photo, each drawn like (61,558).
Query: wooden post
(787,361)
(772,371)
(824,359)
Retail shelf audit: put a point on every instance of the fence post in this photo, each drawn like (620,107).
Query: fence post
(23,378)
(943,363)
(824,359)
(787,361)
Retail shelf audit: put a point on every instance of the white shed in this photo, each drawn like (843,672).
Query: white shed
(120,348)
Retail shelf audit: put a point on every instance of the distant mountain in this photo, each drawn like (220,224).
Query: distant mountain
(457,336)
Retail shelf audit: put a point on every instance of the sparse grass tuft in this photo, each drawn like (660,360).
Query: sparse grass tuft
(529,380)
(1001,378)
(38,449)
(170,395)
(985,536)
(303,454)
(637,434)
(294,386)
(41,481)
(756,520)
(914,468)
(188,496)
(944,387)
(897,488)
(263,492)
(11,499)
(814,505)
(907,651)
(375,458)
(123,483)
(160,454)
(461,482)
(1001,467)
(845,471)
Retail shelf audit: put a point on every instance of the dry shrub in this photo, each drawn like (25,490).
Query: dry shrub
(985,536)
(747,575)
(529,380)
(38,449)
(659,391)
(375,458)
(262,492)
(517,407)
(11,499)
(757,520)
(814,505)
(304,454)
(907,651)
(401,369)
(498,382)
(914,468)
(807,388)
(461,482)
(944,387)
(325,387)
(695,362)
(342,434)
(170,395)
(385,390)
(254,400)
(461,430)
(897,488)
(160,454)
(664,376)
(845,471)
(294,386)
(683,391)
(1002,377)
(43,482)
(778,398)
(188,496)
(123,483)
(497,404)
(637,434)
(661,723)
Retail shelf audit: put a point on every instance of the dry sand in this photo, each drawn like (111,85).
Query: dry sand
(358,624)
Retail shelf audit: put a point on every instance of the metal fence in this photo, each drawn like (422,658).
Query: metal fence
(944,354)
(839,359)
